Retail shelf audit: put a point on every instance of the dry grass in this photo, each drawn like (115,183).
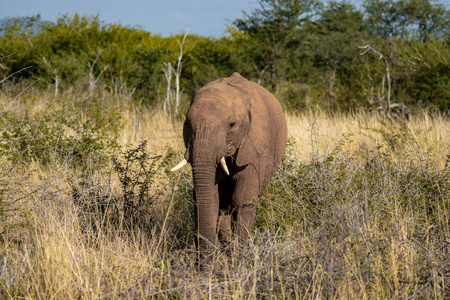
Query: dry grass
(316,134)
(359,210)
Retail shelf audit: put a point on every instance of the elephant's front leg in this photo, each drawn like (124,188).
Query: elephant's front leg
(245,199)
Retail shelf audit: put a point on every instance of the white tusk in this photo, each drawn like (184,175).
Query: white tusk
(224,165)
(179,166)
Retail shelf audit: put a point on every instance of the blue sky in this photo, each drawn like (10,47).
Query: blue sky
(204,17)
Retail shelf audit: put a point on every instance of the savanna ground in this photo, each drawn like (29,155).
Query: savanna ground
(359,209)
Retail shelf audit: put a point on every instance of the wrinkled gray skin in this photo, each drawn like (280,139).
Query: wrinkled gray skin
(241,121)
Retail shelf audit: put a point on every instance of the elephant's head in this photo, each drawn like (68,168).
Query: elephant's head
(229,122)
(217,124)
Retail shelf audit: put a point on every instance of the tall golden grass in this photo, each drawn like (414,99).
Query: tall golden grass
(324,230)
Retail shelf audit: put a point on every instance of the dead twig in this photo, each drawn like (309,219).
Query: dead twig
(367,48)
(177,72)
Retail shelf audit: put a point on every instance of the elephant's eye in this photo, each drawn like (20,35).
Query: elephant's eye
(232,124)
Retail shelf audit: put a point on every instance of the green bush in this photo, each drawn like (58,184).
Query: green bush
(280,45)
(59,136)
(136,171)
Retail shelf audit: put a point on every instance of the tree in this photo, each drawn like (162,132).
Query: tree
(417,19)
(16,43)
(333,39)
(271,29)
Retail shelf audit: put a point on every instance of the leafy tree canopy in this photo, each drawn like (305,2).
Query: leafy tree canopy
(304,51)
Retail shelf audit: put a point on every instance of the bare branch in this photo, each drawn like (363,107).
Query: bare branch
(92,80)
(169,70)
(55,74)
(15,73)
(178,72)
(368,48)
(168,73)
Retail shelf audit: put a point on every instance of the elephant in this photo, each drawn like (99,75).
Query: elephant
(235,135)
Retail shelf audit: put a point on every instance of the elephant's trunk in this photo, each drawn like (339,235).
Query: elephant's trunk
(204,164)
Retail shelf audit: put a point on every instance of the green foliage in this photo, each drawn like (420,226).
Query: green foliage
(419,19)
(272,33)
(104,209)
(426,83)
(136,171)
(305,52)
(333,41)
(206,58)
(58,137)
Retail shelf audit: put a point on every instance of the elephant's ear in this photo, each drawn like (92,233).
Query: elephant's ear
(255,142)
(247,151)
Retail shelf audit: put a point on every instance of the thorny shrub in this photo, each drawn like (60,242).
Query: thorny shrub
(366,213)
